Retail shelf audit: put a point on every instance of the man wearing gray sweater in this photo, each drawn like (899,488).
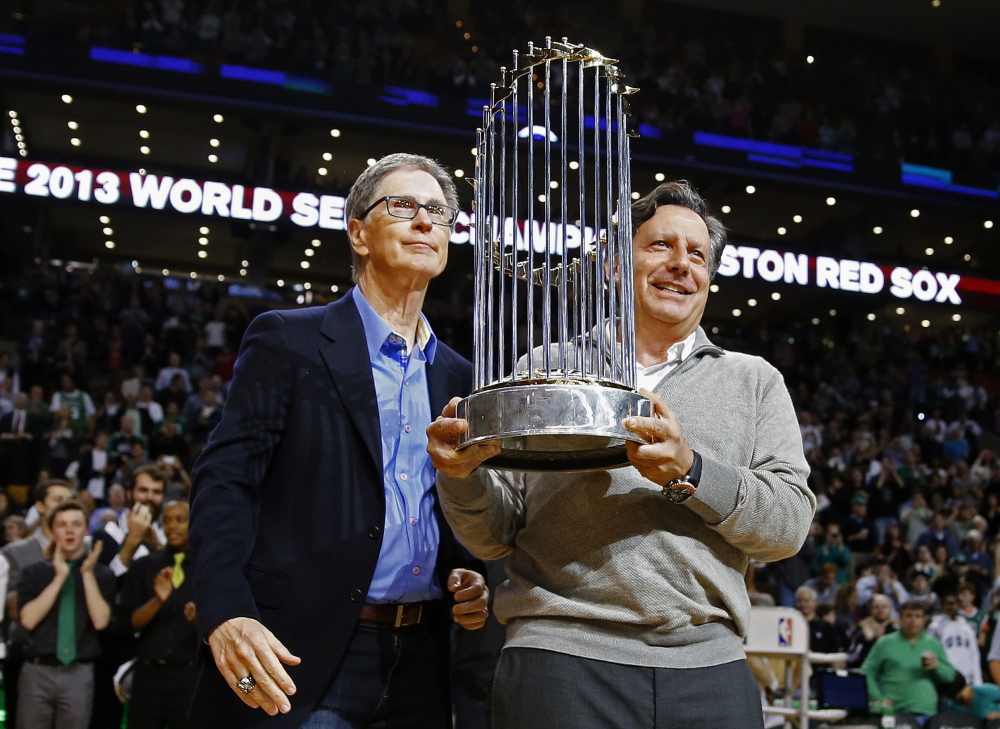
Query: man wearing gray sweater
(625,604)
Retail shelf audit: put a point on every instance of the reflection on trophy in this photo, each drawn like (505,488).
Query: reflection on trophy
(554,331)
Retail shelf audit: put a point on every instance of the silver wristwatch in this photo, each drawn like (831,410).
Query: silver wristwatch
(683,488)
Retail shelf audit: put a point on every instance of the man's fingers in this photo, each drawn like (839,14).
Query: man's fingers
(470,606)
(460,578)
(659,404)
(268,694)
(284,655)
(231,678)
(645,454)
(442,442)
(243,647)
(451,408)
(651,429)
(472,620)
(470,592)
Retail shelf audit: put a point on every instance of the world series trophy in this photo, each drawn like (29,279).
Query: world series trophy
(554,331)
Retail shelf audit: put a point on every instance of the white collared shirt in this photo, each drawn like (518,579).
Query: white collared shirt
(650,377)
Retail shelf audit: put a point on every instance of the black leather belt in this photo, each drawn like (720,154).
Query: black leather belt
(398,616)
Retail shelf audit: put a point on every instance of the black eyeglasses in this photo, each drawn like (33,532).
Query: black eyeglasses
(407,209)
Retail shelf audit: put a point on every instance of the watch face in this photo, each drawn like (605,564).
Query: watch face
(679,492)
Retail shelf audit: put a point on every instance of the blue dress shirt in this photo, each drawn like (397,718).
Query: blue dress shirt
(405,568)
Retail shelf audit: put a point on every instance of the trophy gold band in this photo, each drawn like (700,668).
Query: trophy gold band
(554,330)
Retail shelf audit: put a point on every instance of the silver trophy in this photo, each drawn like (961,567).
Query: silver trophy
(554,330)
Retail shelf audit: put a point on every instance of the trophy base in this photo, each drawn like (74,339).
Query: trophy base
(554,427)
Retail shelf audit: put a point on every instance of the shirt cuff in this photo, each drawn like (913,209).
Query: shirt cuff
(717,493)
(117,567)
(471,492)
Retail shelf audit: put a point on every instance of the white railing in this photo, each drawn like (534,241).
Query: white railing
(781,632)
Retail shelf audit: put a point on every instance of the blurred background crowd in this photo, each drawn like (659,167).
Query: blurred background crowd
(723,73)
(107,371)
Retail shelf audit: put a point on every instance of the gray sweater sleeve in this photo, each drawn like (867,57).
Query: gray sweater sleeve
(764,509)
(485,510)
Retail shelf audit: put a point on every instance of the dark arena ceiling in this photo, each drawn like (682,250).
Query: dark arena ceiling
(87,115)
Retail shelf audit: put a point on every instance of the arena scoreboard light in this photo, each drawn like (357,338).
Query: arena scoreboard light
(844,274)
(309,210)
(182,195)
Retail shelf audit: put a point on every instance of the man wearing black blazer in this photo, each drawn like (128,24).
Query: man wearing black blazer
(326,578)
(20,434)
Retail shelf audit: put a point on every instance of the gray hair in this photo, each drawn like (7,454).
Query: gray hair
(364,189)
(806,590)
(682,194)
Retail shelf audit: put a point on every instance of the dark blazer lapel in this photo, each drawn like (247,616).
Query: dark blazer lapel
(440,387)
(346,358)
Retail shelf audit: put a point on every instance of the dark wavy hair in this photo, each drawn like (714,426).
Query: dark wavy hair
(682,194)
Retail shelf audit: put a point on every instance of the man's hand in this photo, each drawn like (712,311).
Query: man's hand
(666,454)
(929,661)
(190,613)
(139,520)
(442,445)
(243,647)
(59,564)
(162,584)
(87,566)
(471,598)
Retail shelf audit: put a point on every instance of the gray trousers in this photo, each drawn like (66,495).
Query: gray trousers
(537,689)
(55,696)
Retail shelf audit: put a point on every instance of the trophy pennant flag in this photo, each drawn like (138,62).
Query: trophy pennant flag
(554,329)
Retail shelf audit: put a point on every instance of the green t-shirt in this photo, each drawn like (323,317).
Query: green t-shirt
(77,408)
(837,555)
(894,670)
(976,620)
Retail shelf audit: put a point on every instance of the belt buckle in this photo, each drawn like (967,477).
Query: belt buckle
(400,611)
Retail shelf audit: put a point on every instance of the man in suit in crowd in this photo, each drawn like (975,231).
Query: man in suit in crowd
(317,535)
(20,434)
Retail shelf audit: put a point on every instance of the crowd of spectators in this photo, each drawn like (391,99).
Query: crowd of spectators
(898,434)
(107,374)
(698,69)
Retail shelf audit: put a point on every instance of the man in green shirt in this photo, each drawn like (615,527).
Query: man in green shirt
(905,668)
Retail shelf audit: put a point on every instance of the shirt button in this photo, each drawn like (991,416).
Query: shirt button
(407,382)
(416,570)
(374,532)
(402,477)
(413,520)
(356,595)
(407,428)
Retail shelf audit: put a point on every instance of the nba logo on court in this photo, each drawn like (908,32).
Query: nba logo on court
(785,632)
